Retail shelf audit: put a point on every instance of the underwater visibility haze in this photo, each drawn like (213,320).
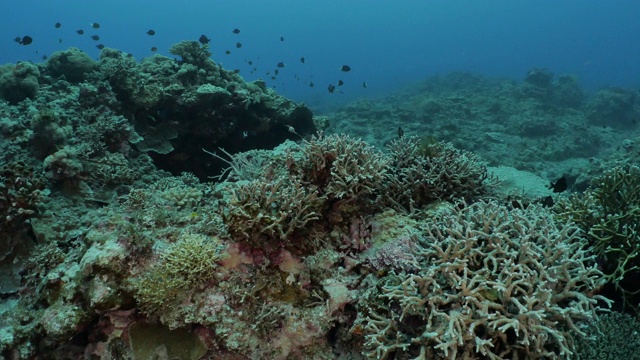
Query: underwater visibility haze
(319,180)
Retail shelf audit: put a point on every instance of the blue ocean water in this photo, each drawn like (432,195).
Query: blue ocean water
(386,43)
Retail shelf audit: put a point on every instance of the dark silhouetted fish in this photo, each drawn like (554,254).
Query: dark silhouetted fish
(331,88)
(59,40)
(44,57)
(95,37)
(154,49)
(95,25)
(151,32)
(559,186)
(250,62)
(57,25)
(547,202)
(364,84)
(236,31)
(238,45)
(281,38)
(204,39)
(25,40)
(228,52)
(80,32)
(100,46)
(345,68)
(310,83)
(276,71)
(280,65)
(340,82)
(302,60)
(400,132)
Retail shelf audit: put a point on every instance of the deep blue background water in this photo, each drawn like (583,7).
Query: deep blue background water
(388,43)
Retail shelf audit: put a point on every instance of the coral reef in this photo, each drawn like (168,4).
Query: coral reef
(492,282)
(608,212)
(124,236)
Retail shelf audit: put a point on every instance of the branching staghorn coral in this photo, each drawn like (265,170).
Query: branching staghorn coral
(263,214)
(343,167)
(495,283)
(609,212)
(420,174)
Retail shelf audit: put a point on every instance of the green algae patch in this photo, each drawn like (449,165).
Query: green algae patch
(148,341)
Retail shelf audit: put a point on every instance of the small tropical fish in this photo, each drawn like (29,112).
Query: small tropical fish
(340,82)
(280,64)
(204,39)
(400,132)
(154,49)
(100,46)
(151,32)
(25,40)
(310,83)
(236,31)
(228,52)
(364,84)
(80,32)
(57,25)
(238,45)
(95,25)
(44,57)
(95,37)
(302,59)
(276,71)
(559,185)
(281,38)
(345,68)
(331,88)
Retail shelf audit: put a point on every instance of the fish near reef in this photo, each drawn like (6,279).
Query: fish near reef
(331,88)
(57,25)
(95,37)
(151,32)
(559,185)
(236,31)
(203,39)
(25,40)
(280,65)
(79,31)
(95,25)
(345,68)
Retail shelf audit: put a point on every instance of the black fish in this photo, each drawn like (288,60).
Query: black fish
(236,31)
(311,84)
(80,32)
(100,46)
(273,78)
(227,52)
(281,38)
(280,65)
(276,71)
(559,186)
(59,40)
(57,25)
(364,84)
(95,37)
(151,32)
(154,49)
(95,25)
(400,132)
(345,68)
(204,39)
(238,45)
(44,57)
(340,82)
(25,40)
(250,62)
(331,88)
(302,60)
(546,202)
